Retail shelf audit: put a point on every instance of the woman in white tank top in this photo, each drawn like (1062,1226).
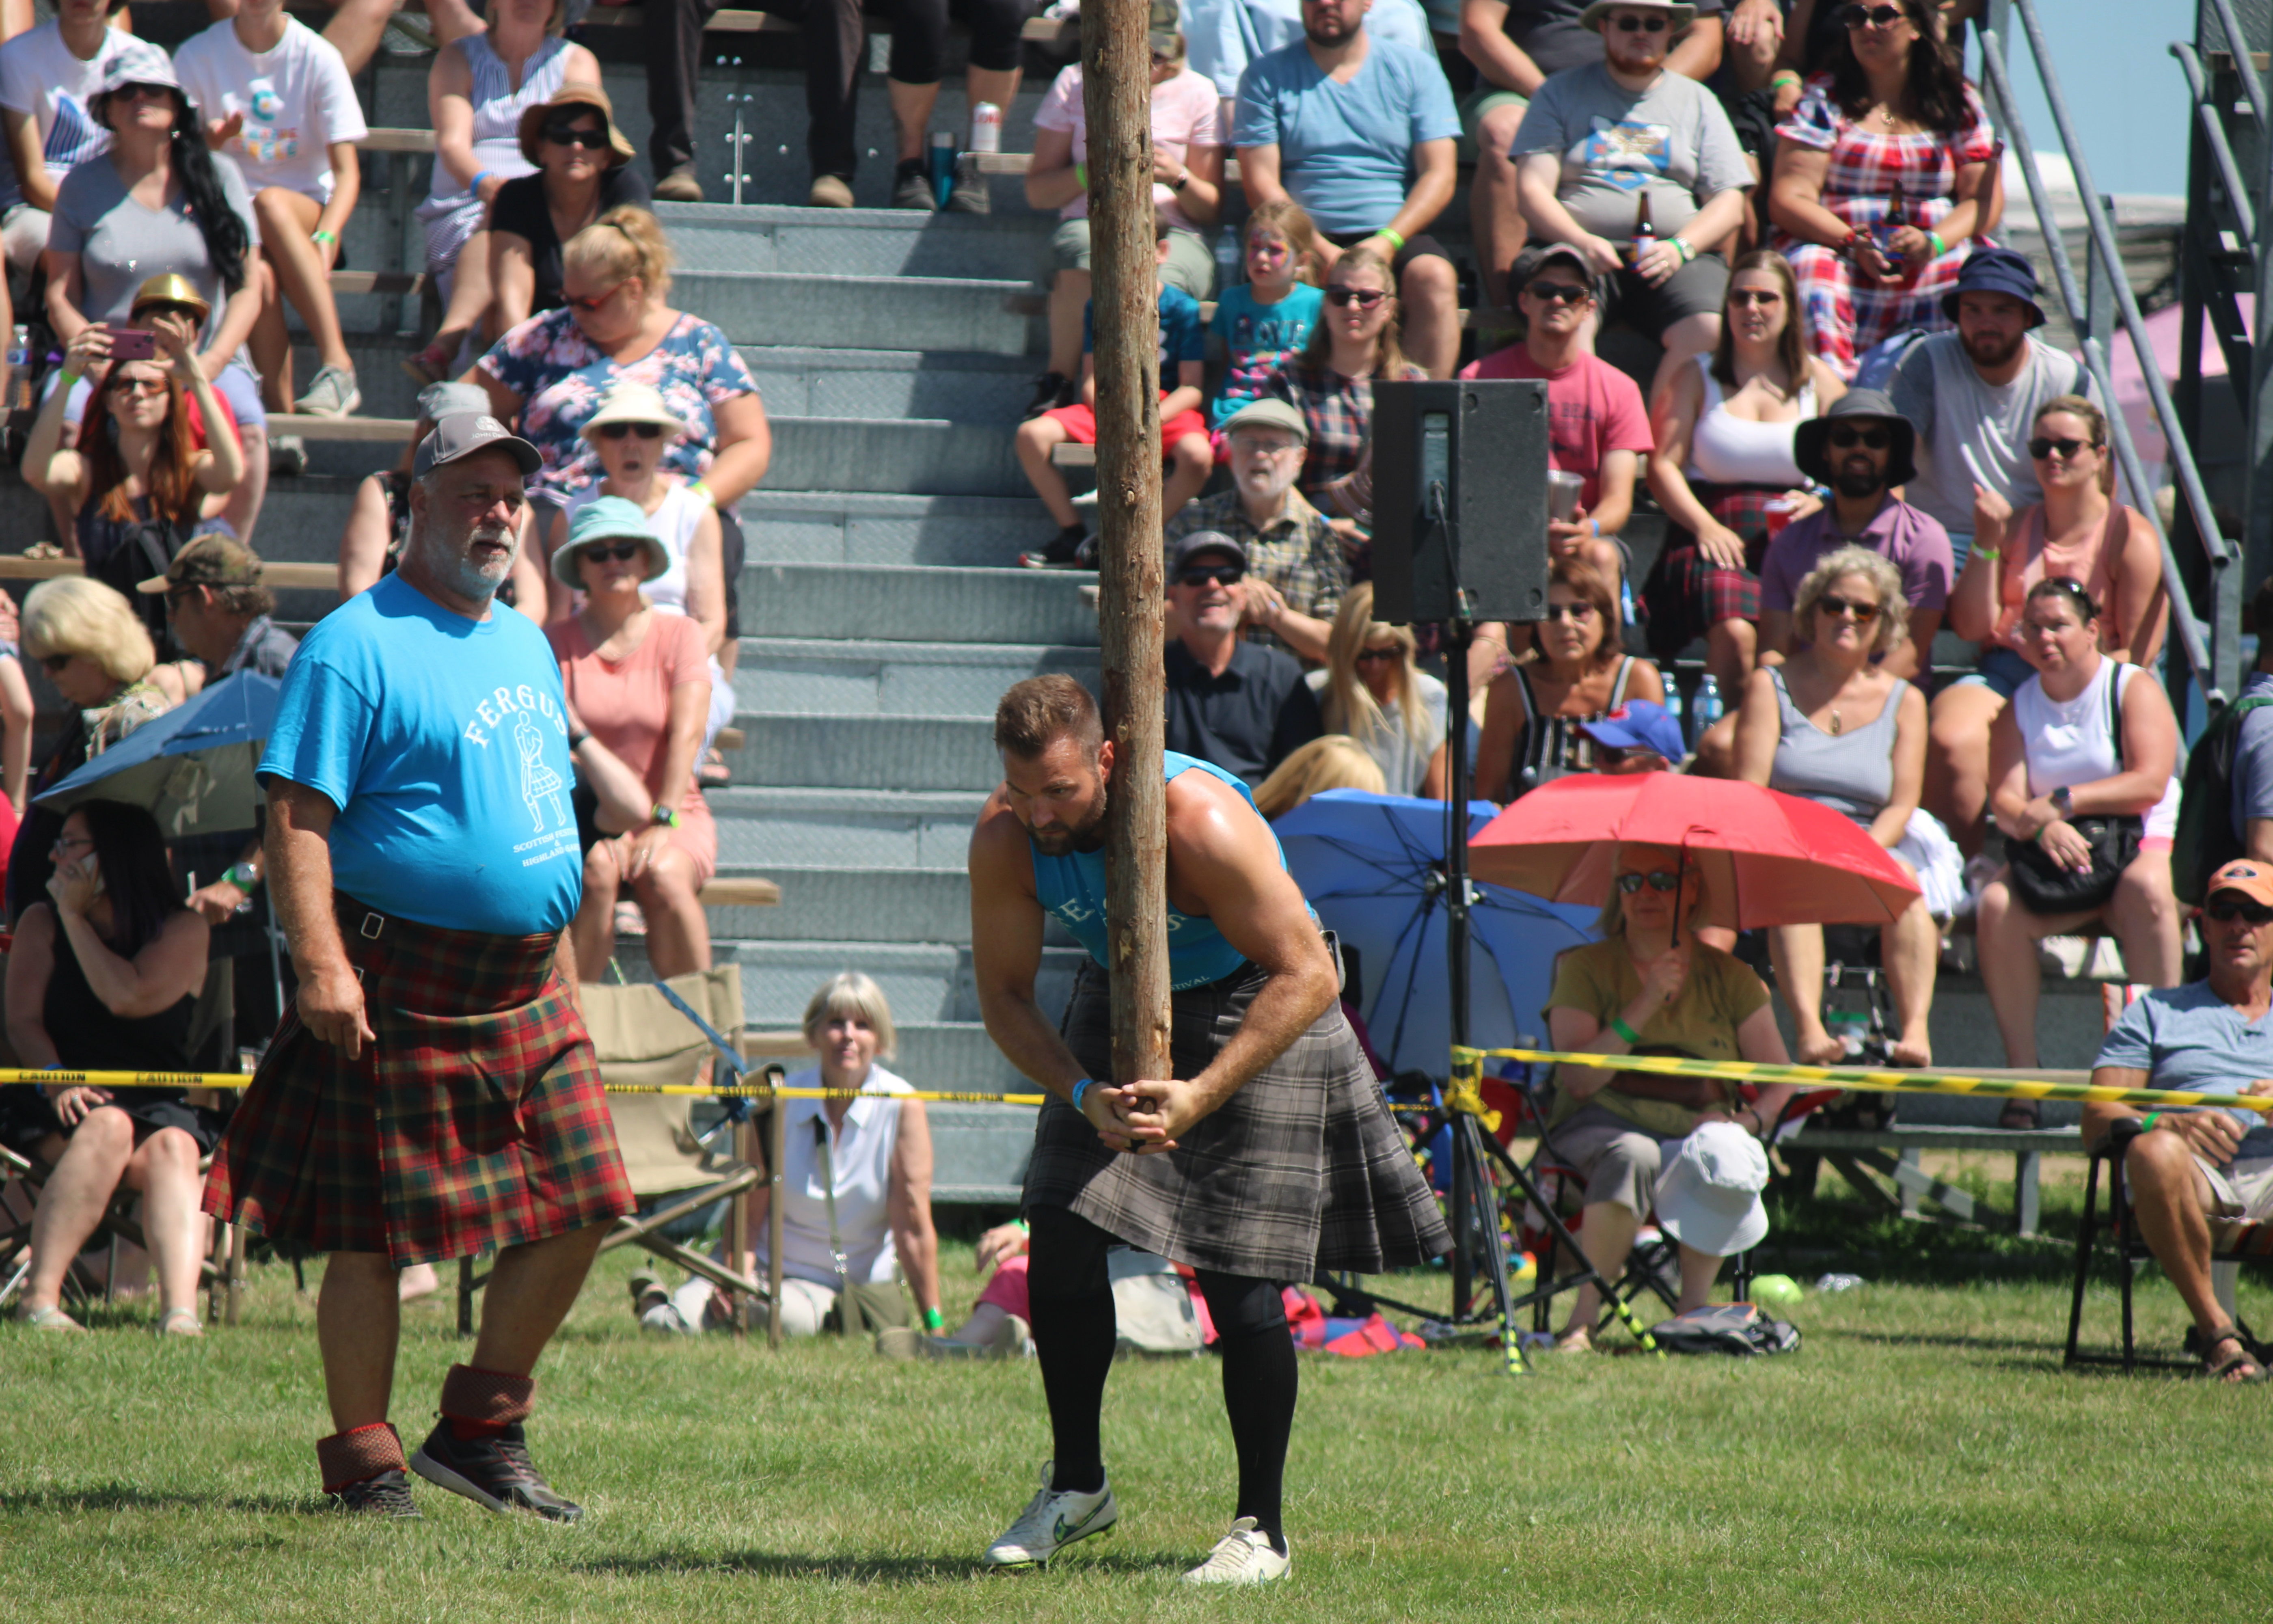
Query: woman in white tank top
(856,1184)
(2084,738)
(629,433)
(1725,450)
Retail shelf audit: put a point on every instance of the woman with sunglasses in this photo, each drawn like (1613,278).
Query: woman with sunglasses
(104,976)
(583,170)
(2080,531)
(1830,724)
(478,93)
(1724,452)
(96,651)
(2083,765)
(1649,986)
(1575,672)
(1371,690)
(1331,381)
(640,681)
(160,202)
(133,491)
(1892,120)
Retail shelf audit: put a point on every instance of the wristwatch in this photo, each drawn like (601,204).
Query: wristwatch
(665,816)
(1177,184)
(241,876)
(2063,802)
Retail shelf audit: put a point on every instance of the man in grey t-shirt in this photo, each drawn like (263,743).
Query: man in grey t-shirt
(1973,394)
(1601,145)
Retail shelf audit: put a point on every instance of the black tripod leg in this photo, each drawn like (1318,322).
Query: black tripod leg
(1470,1138)
(1570,1242)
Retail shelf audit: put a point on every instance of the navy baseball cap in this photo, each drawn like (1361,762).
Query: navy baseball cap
(1638,724)
(1997,270)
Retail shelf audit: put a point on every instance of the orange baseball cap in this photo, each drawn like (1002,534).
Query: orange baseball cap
(2252,879)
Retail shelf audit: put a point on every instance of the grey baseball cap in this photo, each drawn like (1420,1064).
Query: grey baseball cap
(461,434)
(1198,542)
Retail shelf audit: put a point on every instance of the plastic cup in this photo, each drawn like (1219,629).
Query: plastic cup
(1563,493)
(1775,513)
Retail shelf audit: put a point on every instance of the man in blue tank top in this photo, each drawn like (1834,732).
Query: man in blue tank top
(1268,1156)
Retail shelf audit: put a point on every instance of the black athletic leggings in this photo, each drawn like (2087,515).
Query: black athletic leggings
(920,37)
(1071,1301)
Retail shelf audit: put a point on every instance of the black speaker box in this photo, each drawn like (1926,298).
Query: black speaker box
(1484,445)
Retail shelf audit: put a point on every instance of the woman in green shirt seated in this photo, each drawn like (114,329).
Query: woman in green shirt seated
(1640,991)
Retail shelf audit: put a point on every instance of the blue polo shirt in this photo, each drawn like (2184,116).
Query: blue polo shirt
(443,743)
(2189,1038)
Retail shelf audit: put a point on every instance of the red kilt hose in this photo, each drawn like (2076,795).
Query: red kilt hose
(475,1122)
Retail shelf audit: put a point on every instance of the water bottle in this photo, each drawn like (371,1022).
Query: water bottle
(1673,705)
(19,368)
(1227,259)
(1705,712)
(941,165)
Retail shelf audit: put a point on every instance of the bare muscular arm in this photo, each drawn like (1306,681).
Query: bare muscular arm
(330,1000)
(1006,951)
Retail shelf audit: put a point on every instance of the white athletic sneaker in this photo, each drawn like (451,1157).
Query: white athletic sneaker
(1243,1556)
(332,393)
(1050,1522)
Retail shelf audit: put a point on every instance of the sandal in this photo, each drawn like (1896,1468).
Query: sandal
(179,1322)
(50,1319)
(2240,1369)
(2021,1115)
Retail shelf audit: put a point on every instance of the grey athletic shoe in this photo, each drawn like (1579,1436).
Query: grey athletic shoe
(1051,1522)
(288,456)
(331,394)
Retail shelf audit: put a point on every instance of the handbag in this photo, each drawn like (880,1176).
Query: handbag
(2045,888)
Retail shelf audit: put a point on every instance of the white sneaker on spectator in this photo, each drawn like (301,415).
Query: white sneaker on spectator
(665,1320)
(829,191)
(288,456)
(1051,1522)
(332,393)
(1243,1556)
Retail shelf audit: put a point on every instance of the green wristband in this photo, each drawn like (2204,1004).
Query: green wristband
(324,237)
(1394,238)
(1081,175)
(1940,247)
(2147,1123)
(1618,1025)
(933,1319)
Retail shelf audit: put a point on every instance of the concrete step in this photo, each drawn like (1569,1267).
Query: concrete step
(923,982)
(786,675)
(765,827)
(859,527)
(869,752)
(893,455)
(892,384)
(918,604)
(848,904)
(856,241)
(967,314)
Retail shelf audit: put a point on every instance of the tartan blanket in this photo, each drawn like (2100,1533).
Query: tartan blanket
(475,1122)
(1302,1170)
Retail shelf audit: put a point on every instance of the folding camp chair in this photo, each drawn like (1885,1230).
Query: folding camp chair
(222,1272)
(644,1041)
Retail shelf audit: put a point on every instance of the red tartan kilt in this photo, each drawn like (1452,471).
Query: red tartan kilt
(477,1122)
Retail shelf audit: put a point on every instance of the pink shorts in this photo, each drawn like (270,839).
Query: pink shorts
(1007,1290)
(1080,424)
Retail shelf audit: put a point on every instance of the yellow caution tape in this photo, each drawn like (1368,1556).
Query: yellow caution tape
(240,1079)
(1468,1061)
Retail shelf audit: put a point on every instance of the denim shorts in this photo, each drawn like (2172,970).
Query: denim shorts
(2000,671)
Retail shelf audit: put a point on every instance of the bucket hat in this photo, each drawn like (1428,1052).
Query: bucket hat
(1708,1197)
(627,402)
(1679,16)
(1811,441)
(607,518)
(570,98)
(1997,270)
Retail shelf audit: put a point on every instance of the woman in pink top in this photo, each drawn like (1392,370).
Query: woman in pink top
(640,682)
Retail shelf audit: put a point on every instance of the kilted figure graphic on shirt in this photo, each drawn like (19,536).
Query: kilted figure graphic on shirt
(540,785)
(1628,156)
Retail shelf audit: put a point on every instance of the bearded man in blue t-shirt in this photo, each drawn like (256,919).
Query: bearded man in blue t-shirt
(432,1094)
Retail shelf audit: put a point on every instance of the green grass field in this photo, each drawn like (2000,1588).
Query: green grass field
(1922,1457)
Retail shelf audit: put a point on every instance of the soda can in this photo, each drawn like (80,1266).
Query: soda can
(1775,513)
(987,128)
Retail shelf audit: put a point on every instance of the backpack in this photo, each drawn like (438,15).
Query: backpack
(2207,840)
(1725,1327)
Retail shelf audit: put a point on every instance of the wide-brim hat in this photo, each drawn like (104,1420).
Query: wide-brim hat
(629,401)
(607,518)
(1996,270)
(1708,1197)
(171,288)
(1678,15)
(1811,441)
(530,130)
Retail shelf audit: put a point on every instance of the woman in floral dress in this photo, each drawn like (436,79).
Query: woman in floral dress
(1891,112)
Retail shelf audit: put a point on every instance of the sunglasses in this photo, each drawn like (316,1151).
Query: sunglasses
(2043,449)
(72,843)
(1832,603)
(1741,298)
(1656,879)
(617,553)
(1212,574)
(2225,910)
(1364,298)
(1573,613)
(592,135)
(1877,439)
(53,664)
(140,93)
(137,385)
(1558,292)
(597,299)
(1871,15)
(1374,656)
(616,430)
(1631,24)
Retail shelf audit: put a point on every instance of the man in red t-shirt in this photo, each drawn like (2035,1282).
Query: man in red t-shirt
(1596,423)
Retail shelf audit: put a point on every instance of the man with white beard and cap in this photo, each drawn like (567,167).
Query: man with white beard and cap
(1296,570)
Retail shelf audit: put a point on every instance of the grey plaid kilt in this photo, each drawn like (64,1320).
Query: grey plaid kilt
(1302,1170)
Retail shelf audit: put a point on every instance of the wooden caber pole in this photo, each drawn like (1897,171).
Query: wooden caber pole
(1117,102)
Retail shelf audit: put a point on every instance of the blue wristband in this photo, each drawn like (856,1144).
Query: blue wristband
(1077,1089)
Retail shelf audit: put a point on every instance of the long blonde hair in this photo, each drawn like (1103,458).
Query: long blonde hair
(1335,761)
(1388,353)
(1348,705)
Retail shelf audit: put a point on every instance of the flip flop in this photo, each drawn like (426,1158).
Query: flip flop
(48,1319)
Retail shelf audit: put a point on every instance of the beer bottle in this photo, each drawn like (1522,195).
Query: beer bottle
(1897,217)
(1645,234)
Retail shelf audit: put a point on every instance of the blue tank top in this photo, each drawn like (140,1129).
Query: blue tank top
(1073,888)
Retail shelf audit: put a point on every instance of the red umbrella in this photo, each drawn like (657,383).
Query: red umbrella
(1767,858)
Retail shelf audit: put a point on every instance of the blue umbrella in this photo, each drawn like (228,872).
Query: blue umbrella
(1373,868)
(192,767)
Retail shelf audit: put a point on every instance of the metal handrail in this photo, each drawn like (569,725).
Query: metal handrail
(2238,42)
(2221,555)
(2221,150)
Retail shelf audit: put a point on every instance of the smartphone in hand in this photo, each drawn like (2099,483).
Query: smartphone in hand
(133,344)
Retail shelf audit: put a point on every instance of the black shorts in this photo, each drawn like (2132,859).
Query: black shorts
(1699,287)
(1422,247)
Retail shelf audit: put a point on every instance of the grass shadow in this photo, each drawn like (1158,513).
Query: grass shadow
(128,1497)
(1928,1339)
(892,1570)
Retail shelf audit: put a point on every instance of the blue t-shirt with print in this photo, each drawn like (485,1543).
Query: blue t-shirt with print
(2189,1038)
(1259,337)
(444,742)
(1346,151)
(1183,334)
